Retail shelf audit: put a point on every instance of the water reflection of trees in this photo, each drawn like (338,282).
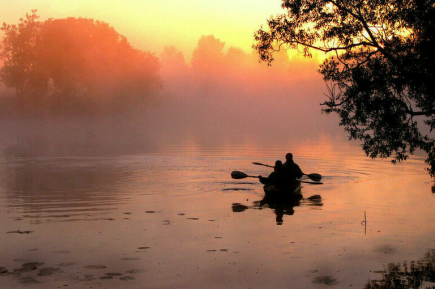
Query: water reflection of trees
(280,204)
(415,274)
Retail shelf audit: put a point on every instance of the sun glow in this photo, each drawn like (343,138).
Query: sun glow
(152,25)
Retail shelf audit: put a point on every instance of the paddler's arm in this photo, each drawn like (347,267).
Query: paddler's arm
(263,180)
(298,172)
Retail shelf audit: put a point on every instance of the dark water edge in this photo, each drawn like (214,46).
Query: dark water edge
(412,274)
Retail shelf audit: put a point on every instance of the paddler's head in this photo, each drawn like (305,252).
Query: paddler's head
(289,157)
(278,166)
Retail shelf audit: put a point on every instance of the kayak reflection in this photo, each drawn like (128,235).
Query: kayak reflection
(280,202)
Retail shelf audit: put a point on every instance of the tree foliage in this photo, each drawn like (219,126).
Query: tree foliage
(208,55)
(18,53)
(74,63)
(379,69)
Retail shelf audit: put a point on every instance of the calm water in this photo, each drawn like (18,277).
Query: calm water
(172,217)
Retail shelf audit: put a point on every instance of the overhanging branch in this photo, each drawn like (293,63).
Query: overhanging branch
(327,50)
(419,113)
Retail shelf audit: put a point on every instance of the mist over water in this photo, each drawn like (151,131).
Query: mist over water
(221,99)
(237,96)
(219,96)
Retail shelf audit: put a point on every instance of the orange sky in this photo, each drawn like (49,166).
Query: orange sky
(153,24)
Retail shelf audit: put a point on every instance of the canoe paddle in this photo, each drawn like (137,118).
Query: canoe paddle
(315,177)
(240,175)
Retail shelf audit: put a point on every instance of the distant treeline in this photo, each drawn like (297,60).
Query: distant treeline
(83,66)
(73,65)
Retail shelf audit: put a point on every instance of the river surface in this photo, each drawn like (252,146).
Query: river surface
(172,217)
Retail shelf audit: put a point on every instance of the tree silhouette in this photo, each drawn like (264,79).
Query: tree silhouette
(75,63)
(380,68)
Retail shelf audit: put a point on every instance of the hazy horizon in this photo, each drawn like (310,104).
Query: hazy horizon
(221,95)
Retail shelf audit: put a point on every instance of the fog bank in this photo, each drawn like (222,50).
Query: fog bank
(219,96)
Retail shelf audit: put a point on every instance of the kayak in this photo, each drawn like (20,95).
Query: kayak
(287,191)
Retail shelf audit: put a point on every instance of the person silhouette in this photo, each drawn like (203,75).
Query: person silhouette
(276,177)
(291,170)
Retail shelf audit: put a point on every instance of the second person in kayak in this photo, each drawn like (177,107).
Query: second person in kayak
(277,177)
(290,169)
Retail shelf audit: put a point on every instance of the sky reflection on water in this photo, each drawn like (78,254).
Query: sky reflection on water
(159,217)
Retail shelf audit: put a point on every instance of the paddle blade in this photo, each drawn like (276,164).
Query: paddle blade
(260,164)
(238,175)
(315,177)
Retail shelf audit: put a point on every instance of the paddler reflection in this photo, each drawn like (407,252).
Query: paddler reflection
(280,204)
